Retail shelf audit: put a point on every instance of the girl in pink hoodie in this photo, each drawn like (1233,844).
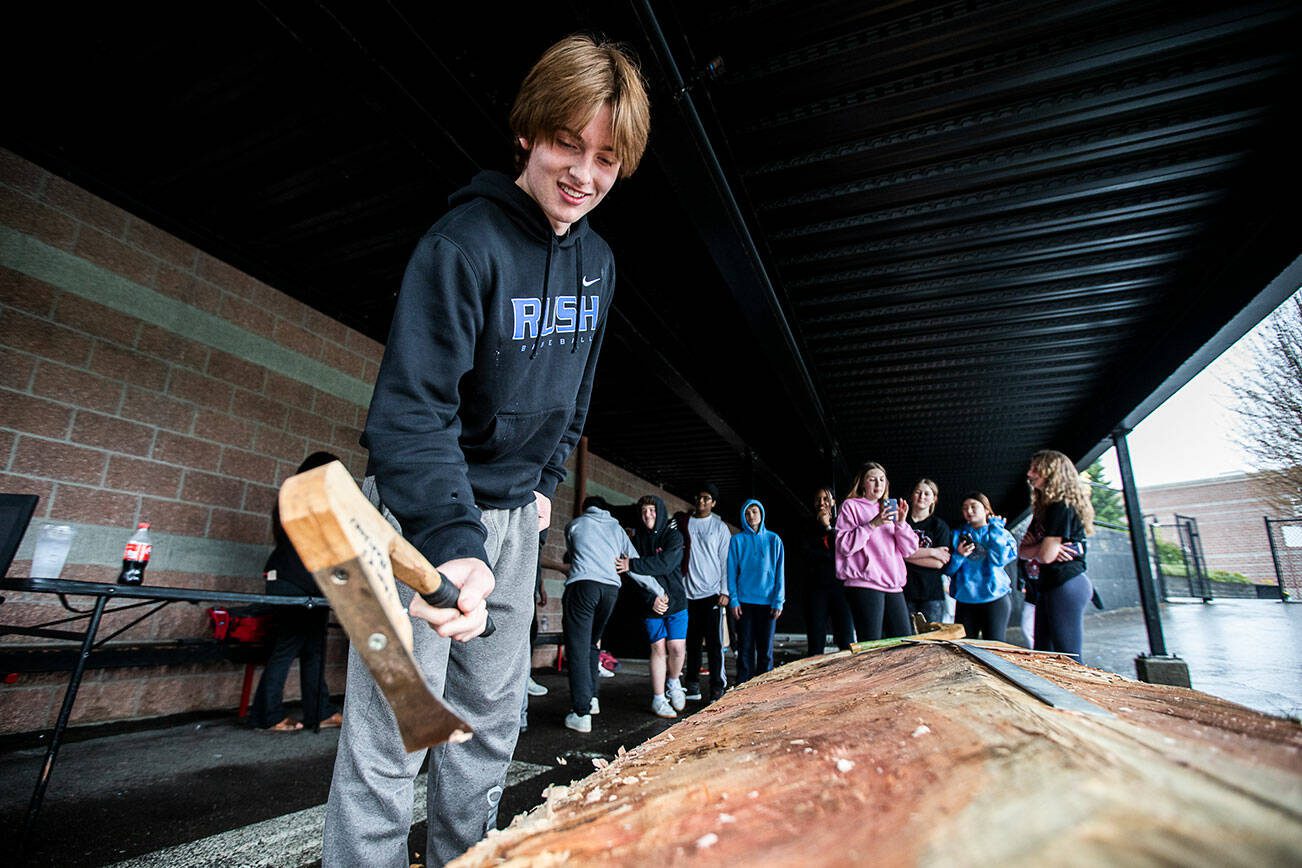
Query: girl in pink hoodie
(873,538)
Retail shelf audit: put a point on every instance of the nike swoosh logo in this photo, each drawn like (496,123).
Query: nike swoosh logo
(587,282)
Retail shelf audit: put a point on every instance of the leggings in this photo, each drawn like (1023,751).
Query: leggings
(827,604)
(1060,616)
(878,613)
(985,620)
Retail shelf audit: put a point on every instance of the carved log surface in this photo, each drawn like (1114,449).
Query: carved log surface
(920,755)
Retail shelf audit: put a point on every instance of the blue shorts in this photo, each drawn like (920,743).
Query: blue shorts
(667,627)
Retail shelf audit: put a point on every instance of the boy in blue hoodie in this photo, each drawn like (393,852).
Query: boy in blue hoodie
(756,590)
(480,397)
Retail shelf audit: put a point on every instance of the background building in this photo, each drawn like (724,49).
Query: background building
(1230,511)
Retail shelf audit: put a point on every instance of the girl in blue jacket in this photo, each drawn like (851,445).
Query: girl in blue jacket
(981,549)
(756,590)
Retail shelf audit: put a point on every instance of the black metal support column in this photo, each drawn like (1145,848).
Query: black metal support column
(1157,666)
(1139,547)
(61,724)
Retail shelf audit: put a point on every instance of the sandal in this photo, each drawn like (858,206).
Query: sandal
(334,721)
(286,725)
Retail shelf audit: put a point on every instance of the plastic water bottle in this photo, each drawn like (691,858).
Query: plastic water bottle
(136,556)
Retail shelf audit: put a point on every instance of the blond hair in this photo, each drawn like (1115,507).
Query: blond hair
(568,86)
(1062,483)
(935,496)
(861,490)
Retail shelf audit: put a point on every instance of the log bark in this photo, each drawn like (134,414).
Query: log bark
(920,755)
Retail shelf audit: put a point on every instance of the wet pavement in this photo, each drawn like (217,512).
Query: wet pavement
(214,792)
(1246,651)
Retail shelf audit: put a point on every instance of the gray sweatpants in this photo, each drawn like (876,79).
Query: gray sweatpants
(368,815)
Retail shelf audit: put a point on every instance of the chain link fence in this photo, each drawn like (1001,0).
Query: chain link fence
(1285,536)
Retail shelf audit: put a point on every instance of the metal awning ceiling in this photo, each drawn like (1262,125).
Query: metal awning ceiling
(938,235)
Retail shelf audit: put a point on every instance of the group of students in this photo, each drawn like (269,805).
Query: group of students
(481,396)
(873,562)
(690,570)
(876,560)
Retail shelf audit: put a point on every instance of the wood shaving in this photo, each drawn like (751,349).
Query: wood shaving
(593,797)
(844,765)
(921,730)
(709,839)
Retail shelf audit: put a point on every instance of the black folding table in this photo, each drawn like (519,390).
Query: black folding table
(150,597)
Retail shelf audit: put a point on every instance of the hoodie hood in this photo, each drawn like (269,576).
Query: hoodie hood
(745,525)
(523,210)
(662,518)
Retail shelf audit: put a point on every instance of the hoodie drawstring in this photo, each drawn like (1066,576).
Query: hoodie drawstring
(552,245)
(578,288)
(547,278)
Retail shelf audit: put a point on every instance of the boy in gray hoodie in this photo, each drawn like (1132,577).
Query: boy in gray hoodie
(593,542)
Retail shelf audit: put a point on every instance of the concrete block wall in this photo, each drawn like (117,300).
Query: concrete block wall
(141,378)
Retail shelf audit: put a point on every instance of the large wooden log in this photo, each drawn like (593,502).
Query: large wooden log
(919,754)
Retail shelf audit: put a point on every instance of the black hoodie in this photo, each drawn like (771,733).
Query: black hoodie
(484,386)
(662,557)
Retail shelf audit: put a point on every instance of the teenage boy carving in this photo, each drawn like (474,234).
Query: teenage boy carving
(481,395)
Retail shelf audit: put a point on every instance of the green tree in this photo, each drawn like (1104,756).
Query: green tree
(1108,505)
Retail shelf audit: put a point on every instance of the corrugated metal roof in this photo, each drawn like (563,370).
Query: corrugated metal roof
(962,231)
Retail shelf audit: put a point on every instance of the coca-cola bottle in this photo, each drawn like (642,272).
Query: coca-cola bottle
(136,556)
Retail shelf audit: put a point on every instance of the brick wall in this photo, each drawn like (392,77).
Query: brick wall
(1230,511)
(142,379)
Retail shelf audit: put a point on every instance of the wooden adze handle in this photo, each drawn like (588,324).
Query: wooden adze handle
(354,555)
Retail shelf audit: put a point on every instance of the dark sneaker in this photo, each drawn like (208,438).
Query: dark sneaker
(693,691)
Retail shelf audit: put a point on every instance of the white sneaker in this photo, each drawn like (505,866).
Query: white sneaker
(536,689)
(594,707)
(677,698)
(603,672)
(660,707)
(578,722)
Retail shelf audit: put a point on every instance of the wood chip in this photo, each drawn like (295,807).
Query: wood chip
(709,839)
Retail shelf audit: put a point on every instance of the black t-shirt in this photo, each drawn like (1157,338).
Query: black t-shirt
(1060,520)
(924,583)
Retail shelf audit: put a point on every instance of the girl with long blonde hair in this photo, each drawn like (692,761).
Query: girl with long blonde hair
(873,537)
(1055,545)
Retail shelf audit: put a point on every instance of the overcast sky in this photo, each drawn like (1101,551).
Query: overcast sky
(1192,435)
